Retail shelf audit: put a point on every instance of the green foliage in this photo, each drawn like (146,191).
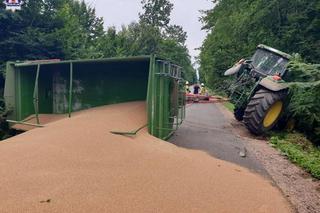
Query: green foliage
(70,29)
(300,151)
(304,100)
(302,72)
(151,35)
(166,40)
(65,29)
(81,30)
(156,12)
(229,106)
(237,27)
(28,34)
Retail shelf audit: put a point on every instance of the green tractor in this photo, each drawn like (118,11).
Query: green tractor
(259,91)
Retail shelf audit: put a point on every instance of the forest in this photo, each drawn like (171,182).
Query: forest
(70,29)
(235,28)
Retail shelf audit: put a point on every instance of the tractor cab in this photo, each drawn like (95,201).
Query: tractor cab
(268,61)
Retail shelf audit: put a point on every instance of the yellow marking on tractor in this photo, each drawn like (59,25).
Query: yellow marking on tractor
(273,114)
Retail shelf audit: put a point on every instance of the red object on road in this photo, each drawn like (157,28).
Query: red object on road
(198,98)
(191,98)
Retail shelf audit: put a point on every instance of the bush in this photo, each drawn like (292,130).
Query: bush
(304,104)
(300,151)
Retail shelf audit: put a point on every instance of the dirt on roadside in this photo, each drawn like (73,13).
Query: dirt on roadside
(77,165)
(297,185)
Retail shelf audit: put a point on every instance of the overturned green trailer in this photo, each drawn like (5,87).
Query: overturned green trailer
(63,87)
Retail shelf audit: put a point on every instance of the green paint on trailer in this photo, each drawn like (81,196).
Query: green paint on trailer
(68,86)
(70,89)
(25,91)
(36,95)
(9,89)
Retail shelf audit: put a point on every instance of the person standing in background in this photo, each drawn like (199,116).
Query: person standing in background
(196,89)
(187,87)
(203,90)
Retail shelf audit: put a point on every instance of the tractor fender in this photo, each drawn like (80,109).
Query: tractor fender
(273,85)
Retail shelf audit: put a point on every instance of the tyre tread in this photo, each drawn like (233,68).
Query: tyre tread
(258,107)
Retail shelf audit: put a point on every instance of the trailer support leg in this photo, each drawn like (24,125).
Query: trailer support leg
(70,89)
(36,95)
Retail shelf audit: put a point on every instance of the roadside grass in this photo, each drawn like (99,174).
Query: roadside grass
(226,104)
(299,150)
(229,106)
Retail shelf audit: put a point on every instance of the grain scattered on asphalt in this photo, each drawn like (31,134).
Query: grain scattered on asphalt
(77,165)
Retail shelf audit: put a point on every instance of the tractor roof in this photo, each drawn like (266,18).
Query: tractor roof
(273,50)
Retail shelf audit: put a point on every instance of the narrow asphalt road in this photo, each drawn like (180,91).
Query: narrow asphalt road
(206,128)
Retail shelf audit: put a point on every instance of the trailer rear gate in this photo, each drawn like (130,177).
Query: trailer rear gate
(63,87)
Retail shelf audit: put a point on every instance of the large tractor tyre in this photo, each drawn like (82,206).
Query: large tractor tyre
(238,113)
(264,110)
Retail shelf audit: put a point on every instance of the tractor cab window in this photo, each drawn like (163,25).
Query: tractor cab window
(269,63)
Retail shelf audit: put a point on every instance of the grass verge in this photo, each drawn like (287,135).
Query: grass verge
(229,106)
(299,150)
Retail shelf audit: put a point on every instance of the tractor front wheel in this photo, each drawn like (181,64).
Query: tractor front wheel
(238,113)
(264,110)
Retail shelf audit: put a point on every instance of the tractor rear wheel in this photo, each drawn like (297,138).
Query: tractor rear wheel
(264,110)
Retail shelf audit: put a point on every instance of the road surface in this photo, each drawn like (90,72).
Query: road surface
(211,128)
(207,128)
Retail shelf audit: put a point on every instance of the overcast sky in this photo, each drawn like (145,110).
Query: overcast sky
(186,13)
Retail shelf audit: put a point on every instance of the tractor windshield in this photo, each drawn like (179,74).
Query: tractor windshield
(269,63)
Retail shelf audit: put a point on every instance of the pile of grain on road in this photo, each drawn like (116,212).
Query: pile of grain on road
(77,165)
